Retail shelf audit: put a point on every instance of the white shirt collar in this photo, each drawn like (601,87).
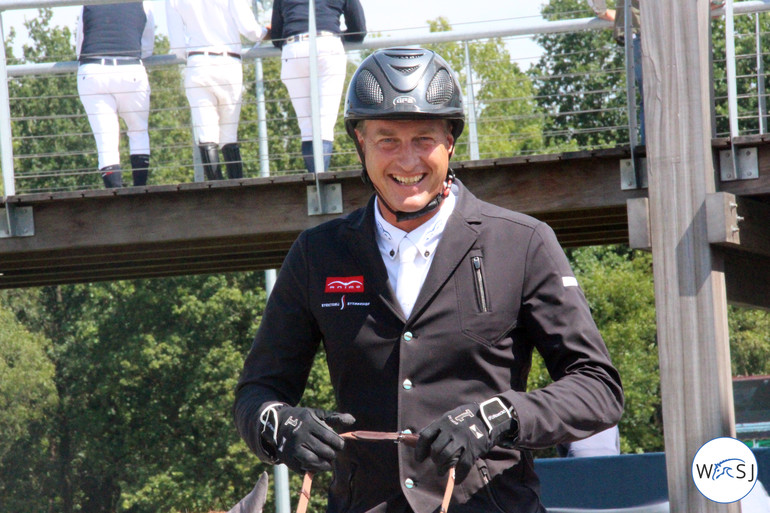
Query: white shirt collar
(426,236)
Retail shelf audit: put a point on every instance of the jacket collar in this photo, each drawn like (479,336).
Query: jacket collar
(460,235)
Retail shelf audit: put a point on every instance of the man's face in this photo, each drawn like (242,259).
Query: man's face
(407,162)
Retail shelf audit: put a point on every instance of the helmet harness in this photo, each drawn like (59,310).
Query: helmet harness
(404,84)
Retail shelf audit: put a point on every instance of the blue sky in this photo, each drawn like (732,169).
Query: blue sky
(403,16)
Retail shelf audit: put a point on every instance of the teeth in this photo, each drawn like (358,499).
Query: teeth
(408,180)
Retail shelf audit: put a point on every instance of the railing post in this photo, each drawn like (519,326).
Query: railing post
(6,144)
(315,103)
(761,102)
(631,64)
(732,94)
(472,128)
(264,149)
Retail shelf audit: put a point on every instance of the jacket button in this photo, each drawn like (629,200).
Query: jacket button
(409,483)
(408,336)
(407,384)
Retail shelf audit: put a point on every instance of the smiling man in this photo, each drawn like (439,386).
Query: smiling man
(429,303)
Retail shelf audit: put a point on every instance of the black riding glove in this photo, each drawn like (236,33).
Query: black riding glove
(303,438)
(467,433)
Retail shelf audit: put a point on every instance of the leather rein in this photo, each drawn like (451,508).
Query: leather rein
(409,439)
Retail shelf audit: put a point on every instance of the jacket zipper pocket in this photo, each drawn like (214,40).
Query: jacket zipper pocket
(485,477)
(481,291)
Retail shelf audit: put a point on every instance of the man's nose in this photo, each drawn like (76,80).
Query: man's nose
(408,158)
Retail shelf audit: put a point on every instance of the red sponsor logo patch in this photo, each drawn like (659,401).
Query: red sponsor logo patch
(344,284)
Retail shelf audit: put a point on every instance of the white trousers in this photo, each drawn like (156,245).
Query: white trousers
(214,87)
(295,74)
(111,91)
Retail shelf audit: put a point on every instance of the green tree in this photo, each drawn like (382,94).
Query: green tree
(580,83)
(508,119)
(28,398)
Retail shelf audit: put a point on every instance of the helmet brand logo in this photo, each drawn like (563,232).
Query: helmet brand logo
(400,100)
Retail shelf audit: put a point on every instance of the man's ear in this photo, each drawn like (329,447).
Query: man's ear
(450,144)
(360,140)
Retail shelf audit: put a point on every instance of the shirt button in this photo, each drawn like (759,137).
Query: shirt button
(409,483)
(407,384)
(408,336)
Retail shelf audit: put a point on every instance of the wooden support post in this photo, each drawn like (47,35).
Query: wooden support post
(690,294)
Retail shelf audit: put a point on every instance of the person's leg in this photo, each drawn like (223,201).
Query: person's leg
(229,95)
(140,165)
(112,176)
(295,75)
(332,64)
(134,108)
(199,89)
(210,160)
(233,162)
(94,91)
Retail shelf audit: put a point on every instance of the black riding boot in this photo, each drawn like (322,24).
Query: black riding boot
(112,176)
(233,163)
(140,165)
(210,159)
(307,155)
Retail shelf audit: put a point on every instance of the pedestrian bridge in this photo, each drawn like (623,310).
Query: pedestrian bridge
(249,224)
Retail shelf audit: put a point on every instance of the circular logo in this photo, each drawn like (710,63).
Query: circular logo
(724,470)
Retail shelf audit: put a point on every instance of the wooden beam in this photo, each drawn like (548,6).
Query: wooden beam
(739,223)
(690,292)
(747,277)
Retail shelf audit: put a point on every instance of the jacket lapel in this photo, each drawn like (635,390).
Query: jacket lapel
(460,234)
(362,244)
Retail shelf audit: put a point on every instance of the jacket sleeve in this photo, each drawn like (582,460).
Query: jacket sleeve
(176,32)
(355,21)
(278,364)
(586,394)
(247,24)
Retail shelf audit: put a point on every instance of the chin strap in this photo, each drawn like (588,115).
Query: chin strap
(430,207)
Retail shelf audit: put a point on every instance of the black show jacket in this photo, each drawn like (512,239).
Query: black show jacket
(470,337)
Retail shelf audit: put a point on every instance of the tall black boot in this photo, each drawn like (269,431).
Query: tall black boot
(307,155)
(233,162)
(210,159)
(140,165)
(112,176)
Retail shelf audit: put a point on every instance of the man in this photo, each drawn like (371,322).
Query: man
(289,30)
(439,343)
(111,41)
(208,34)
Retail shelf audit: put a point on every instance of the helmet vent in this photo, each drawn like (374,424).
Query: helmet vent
(441,88)
(368,89)
(406,70)
(405,55)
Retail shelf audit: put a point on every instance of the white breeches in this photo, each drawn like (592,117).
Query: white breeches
(111,91)
(295,74)
(214,86)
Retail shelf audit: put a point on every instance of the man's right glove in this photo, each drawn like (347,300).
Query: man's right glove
(303,438)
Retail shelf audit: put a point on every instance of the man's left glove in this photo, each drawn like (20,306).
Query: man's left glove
(303,438)
(467,433)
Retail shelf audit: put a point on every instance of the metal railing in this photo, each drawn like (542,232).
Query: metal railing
(551,107)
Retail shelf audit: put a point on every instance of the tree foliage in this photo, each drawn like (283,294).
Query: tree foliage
(580,83)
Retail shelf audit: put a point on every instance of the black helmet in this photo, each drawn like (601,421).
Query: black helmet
(404,83)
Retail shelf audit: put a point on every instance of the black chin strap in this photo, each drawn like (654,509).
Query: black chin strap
(430,207)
